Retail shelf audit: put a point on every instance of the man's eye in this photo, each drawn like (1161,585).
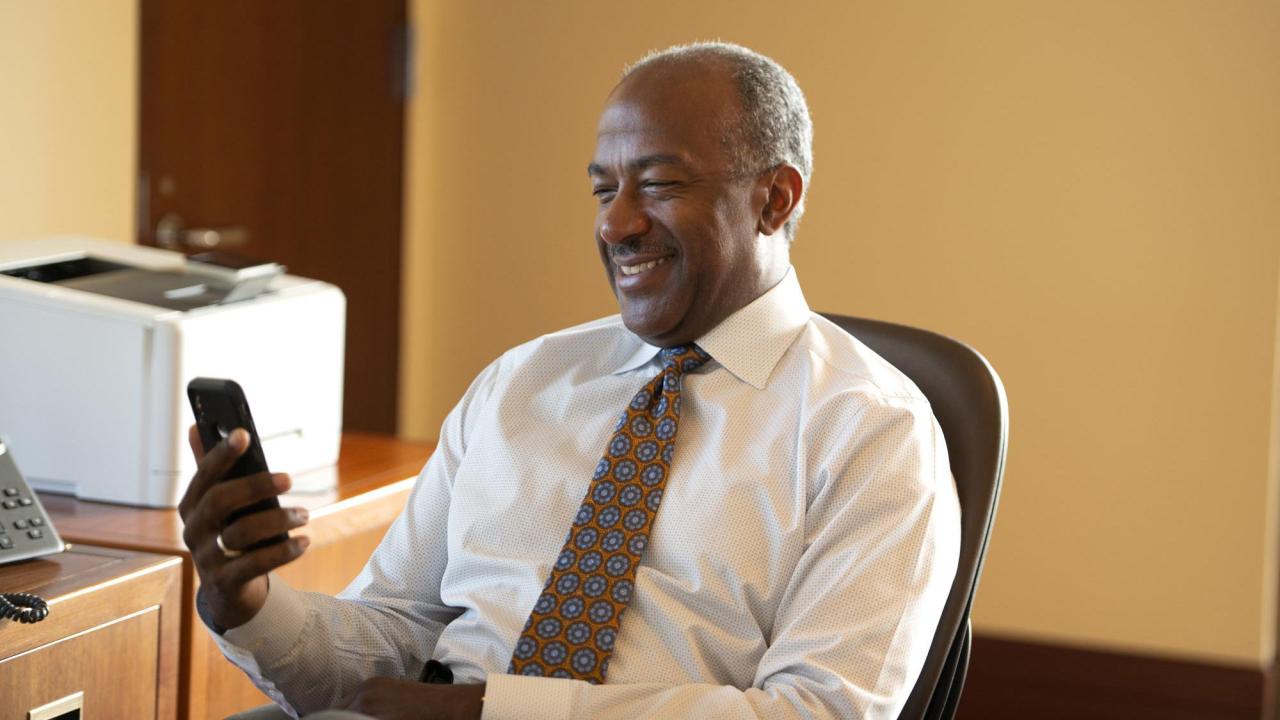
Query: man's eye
(661,189)
(604,194)
(658,184)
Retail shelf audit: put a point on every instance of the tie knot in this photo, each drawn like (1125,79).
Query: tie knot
(684,357)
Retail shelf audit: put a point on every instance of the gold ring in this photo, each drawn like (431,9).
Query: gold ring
(226,551)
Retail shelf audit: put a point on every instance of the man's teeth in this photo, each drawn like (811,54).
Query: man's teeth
(636,269)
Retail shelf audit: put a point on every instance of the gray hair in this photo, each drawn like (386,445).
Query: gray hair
(775,127)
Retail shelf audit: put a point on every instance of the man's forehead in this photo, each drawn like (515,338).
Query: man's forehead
(666,118)
(689,89)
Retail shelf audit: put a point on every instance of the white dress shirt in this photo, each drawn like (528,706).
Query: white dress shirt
(804,549)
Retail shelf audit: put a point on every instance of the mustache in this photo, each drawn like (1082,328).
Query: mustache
(622,252)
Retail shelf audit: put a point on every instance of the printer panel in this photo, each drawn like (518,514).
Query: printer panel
(286,352)
(74,398)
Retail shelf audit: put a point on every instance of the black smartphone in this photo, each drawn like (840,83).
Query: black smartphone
(220,407)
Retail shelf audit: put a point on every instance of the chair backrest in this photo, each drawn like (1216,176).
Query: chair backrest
(969,401)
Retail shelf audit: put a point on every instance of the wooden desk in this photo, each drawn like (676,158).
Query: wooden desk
(111,633)
(374,476)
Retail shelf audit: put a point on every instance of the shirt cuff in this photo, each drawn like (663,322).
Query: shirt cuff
(275,630)
(517,697)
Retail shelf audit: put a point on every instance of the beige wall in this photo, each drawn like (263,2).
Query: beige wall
(1086,191)
(68,117)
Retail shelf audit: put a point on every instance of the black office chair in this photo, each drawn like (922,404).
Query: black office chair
(968,400)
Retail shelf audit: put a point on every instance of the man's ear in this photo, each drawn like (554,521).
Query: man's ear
(785,187)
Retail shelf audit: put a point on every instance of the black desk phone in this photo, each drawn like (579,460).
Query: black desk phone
(25,533)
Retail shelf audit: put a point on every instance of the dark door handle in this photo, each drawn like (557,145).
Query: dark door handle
(172,234)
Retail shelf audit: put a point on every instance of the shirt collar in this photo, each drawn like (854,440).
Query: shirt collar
(750,342)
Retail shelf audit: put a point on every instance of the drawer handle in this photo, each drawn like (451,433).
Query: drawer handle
(67,708)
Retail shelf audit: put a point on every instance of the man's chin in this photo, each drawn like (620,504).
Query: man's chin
(657,331)
(651,329)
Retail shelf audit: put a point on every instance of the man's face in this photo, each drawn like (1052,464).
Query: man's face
(677,231)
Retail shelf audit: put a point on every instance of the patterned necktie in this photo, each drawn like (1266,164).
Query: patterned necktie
(572,628)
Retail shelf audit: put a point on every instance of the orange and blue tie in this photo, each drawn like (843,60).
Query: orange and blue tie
(574,625)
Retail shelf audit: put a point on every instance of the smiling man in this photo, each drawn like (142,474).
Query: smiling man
(691,219)
(714,505)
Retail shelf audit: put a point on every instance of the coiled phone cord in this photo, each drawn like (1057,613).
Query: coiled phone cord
(23,607)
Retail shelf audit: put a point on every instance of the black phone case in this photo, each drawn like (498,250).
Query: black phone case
(220,406)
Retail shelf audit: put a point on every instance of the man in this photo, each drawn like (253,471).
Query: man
(808,525)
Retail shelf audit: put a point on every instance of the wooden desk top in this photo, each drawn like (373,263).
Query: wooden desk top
(369,466)
(64,579)
(92,593)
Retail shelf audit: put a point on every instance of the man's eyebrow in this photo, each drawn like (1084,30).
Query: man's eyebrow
(640,163)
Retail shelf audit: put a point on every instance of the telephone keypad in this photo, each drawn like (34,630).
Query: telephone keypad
(25,529)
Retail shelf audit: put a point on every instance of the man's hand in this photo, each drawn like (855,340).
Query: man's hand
(234,589)
(390,699)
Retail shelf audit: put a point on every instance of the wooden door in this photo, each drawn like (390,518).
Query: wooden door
(281,123)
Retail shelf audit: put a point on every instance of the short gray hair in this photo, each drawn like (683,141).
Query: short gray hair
(775,126)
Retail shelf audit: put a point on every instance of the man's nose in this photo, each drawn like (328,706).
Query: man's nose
(623,220)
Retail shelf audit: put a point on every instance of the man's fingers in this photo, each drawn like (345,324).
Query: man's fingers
(226,497)
(197,445)
(206,556)
(213,467)
(210,511)
(253,529)
(238,571)
(231,495)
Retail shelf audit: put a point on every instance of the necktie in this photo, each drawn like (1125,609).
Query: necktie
(571,631)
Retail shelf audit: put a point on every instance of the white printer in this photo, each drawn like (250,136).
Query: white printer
(98,341)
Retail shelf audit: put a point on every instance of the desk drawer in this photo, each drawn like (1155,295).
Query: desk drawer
(114,665)
(112,633)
